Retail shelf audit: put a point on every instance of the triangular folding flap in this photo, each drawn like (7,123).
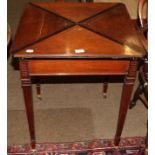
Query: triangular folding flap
(37,24)
(114,25)
(65,44)
(75,11)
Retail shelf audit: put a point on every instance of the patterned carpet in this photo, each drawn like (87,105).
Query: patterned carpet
(128,146)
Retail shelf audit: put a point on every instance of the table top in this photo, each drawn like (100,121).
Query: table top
(76,30)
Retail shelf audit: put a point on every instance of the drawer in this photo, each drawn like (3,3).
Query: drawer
(78,67)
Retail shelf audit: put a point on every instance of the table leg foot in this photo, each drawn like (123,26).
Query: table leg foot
(33,152)
(117,140)
(104,95)
(39,97)
(33,145)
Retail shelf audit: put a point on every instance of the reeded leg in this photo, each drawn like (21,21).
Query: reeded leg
(125,99)
(27,93)
(105,86)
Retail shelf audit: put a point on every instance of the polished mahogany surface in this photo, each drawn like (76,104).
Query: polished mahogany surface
(72,30)
(78,67)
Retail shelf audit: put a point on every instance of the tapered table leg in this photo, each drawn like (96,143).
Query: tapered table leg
(105,86)
(38,87)
(27,92)
(125,99)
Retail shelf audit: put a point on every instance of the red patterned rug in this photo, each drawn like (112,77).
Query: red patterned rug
(128,146)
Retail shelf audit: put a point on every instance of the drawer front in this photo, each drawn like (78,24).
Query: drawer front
(78,67)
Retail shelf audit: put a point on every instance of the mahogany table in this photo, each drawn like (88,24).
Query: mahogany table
(70,39)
